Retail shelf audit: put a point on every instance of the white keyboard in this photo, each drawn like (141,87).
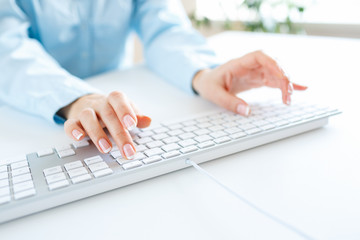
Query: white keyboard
(52,177)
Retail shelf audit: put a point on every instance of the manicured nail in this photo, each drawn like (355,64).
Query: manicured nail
(243,109)
(129,122)
(77,134)
(129,151)
(104,145)
(290,88)
(288,100)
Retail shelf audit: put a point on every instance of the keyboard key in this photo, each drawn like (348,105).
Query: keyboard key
(4,191)
(175,132)
(53,170)
(232,130)
(72,165)
(188,149)
(145,134)
(160,136)
(3,168)
(4,175)
(80,179)
(229,124)
(103,172)
(202,120)
(190,129)
(21,178)
(81,144)
(115,154)
(216,128)
(268,127)
(143,140)
(175,126)
(247,126)
(19,165)
(92,160)
(201,132)
(154,151)
(121,161)
(5,199)
(140,148)
(139,156)
(20,171)
(253,131)
(66,153)
(4,183)
(131,165)
(55,177)
(238,135)
(187,142)
(189,123)
(25,194)
(218,134)
(222,139)
(152,159)
(186,135)
(160,130)
(171,140)
(171,154)
(202,138)
(45,152)
(23,186)
(154,144)
(77,172)
(206,144)
(204,125)
(62,148)
(170,147)
(98,166)
(57,185)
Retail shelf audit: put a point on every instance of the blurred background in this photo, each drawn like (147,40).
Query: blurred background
(310,17)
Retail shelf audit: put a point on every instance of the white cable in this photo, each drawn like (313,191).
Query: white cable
(250,204)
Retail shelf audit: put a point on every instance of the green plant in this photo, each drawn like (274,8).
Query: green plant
(262,17)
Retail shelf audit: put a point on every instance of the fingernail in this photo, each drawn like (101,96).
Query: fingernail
(290,88)
(288,100)
(129,122)
(243,109)
(77,134)
(129,151)
(104,145)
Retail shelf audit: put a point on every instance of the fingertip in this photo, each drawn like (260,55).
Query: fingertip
(143,121)
(243,109)
(77,134)
(299,87)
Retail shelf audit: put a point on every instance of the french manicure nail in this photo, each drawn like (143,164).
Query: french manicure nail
(290,88)
(104,145)
(129,151)
(243,109)
(129,122)
(77,134)
(288,100)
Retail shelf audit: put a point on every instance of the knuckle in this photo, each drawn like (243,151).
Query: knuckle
(116,95)
(86,113)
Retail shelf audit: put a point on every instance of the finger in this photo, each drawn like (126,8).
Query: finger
(120,135)
(142,120)
(74,129)
(90,122)
(299,87)
(231,102)
(123,110)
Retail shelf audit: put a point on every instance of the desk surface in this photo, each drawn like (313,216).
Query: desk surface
(312,180)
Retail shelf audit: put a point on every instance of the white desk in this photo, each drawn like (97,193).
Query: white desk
(312,180)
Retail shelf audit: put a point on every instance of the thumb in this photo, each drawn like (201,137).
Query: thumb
(231,102)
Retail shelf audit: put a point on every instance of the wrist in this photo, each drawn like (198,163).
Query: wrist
(198,79)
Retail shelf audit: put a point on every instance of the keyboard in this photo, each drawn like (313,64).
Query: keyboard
(55,176)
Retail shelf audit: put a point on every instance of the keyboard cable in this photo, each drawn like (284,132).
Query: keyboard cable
(249,203)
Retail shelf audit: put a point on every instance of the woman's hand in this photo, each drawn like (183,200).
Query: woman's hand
(89,114)
(256,69)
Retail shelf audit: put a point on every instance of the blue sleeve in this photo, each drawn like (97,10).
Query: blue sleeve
(30,79)
(172,48)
